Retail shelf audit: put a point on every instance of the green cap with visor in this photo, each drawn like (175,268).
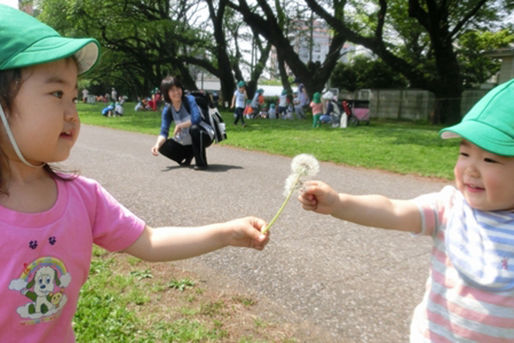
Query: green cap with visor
(25,41)
(490,123)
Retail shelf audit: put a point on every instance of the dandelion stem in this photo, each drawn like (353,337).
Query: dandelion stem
(291,191)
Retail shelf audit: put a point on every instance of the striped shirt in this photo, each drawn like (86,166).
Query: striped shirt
(470,289)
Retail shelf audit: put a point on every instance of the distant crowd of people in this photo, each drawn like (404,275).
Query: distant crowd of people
(285,107)
(325,108)
(257,107)
(115,102)
(150,103)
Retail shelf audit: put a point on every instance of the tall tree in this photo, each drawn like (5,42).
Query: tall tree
(142,41)
(432,22)
(264,21)
(224,73)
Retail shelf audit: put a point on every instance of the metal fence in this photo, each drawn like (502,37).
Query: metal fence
(408,104)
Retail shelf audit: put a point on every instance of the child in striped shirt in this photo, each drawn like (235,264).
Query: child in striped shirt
(470,289)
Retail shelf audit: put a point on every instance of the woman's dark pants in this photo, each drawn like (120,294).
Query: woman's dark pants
(183,154)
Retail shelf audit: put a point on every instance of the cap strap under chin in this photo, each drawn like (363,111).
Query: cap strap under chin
(13,141)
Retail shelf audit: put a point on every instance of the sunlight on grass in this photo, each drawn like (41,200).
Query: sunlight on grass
(401,147)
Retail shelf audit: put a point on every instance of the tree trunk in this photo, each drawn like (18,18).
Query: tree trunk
(224,68)
(313,76)
(446,82)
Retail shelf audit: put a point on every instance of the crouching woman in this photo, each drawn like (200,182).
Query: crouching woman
(191,135)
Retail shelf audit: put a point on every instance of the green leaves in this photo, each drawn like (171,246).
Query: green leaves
(181,285)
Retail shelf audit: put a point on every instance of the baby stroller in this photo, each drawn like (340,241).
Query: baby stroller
(357,111)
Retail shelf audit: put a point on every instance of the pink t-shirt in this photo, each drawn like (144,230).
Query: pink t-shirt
(46,256)
(317,108)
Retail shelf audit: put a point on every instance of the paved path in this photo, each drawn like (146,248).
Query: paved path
(340,282)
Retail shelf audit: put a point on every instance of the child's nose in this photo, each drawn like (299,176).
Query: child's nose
(472,170)
(71,113)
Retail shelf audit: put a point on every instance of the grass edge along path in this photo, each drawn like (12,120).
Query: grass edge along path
(399,147)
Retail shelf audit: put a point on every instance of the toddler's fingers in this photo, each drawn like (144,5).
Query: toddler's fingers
(308,201)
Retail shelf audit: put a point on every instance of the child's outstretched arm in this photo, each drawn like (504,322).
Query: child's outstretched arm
(175,243)
(369,210)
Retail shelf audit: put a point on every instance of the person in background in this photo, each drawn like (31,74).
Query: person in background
(470,289)
(317,109)
(263,113)
(85,93)
(238,102)
(327,98)
(108,111)
(272,114)
(282,104)
(139,105)
(191,135)
(155,100)
(114,94)
(301,101)
(257,100)
(248,113)
(118,107)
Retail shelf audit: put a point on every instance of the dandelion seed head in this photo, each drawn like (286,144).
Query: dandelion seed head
(293,183)
(302,166)
(305,165)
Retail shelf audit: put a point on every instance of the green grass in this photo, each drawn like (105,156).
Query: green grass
(106,312)
(123,301)
(400,147)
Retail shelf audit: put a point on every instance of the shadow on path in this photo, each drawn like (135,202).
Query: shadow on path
(213,168)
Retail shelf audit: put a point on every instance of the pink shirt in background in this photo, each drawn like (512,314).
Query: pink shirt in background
(316,108)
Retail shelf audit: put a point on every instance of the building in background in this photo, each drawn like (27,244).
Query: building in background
(312,44)
(507,65)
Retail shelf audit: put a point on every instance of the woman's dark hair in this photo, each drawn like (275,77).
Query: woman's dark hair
(10,84)
(167,83)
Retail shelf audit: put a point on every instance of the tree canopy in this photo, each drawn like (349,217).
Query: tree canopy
(427,44)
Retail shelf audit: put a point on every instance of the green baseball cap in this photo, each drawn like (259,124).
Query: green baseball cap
(25,41)
(490,123)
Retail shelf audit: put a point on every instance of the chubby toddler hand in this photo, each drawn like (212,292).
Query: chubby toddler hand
(319,197)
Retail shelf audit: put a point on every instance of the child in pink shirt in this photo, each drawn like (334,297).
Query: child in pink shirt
(49,221)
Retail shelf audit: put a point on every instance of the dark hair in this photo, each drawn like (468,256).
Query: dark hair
(10,84)
(167,83)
